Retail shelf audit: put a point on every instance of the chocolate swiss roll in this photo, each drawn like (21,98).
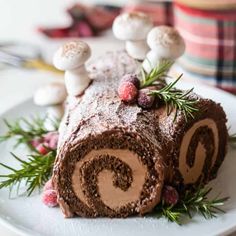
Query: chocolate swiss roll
(113,158)
(109,161)
(197,147)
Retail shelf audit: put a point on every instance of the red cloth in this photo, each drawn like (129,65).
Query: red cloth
(86,21)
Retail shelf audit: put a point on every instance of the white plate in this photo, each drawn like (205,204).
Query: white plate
(28,216)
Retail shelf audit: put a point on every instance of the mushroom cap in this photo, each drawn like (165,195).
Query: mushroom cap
(166,41)
(50,94)
(71,55)
(132,26)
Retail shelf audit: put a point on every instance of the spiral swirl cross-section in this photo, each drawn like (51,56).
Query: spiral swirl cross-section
(199,150)
(112,179)
(117,181)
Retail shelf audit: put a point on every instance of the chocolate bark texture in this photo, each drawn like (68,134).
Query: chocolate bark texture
(105,142)
(113,158)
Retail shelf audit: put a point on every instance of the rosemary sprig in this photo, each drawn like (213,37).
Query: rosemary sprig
(34,172)
(156,73)
(232,139)
(25,130)
(176,99)
(197,202)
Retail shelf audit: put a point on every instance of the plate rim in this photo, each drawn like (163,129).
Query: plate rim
(23,231)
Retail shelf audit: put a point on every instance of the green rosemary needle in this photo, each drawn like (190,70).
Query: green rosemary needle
(25,130)
(33,174)
(232,139)
(176,99)
(191,203)
(156,73)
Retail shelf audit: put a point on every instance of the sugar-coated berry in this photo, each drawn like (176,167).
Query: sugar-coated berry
(127,92)
(49,198)
(170,195)
(132,78)
(53,143)
(145,100)
(42,148)
(48,185)
(51,140)
(36,141)
(47,137)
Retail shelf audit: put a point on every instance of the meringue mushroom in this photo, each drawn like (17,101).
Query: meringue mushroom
(166,44)
(133,28)
(51,96)
(71,58)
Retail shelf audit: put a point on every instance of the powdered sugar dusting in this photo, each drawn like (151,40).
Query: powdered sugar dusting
(106,73)
(73,48)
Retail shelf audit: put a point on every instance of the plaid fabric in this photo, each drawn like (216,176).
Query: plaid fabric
(209,4)
(161,12)
(210,38)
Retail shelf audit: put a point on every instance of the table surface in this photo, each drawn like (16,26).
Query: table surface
(19,85)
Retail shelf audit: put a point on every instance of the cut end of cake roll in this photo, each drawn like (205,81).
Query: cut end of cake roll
(199,145)
(109,162)
(114,157)
(113,174)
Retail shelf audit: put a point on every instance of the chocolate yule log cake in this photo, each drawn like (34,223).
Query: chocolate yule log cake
(198,147)
(116,151)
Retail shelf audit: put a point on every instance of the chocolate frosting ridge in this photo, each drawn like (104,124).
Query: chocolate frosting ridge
(99,120)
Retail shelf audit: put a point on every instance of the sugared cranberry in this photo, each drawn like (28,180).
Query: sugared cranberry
(145,100)
(132,78)
(49,198)
(170,195)
(48,185)
(42,148)
(35,142)
(47,137)
(127,92)
(51,140)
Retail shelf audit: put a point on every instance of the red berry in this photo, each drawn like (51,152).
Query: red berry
(127,92)
(48,185)
(144,99)
(42,149)
(49,198)
(53,143)
(132,78)
(47,137)
(51,140)
(35,142)
(170,195)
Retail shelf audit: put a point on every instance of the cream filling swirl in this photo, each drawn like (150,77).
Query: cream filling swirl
(112,196)
(191,174)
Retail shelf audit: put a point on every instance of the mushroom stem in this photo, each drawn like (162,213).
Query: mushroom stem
(166,44)
(76,80)
(54,113)
(137,49)
(153,60)
(71,58)
(133,28)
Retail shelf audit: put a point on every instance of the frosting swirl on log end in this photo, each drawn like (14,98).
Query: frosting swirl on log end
(198,150)
(100,180)
(199,145)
